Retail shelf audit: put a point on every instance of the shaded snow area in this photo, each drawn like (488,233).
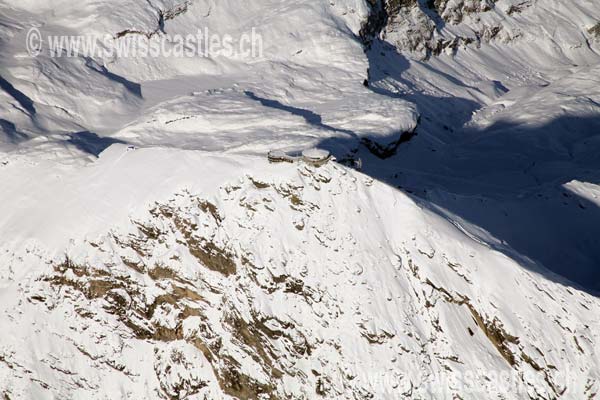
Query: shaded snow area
(448,249)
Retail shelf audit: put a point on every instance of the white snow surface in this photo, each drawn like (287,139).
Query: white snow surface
(148,249)
(381,297)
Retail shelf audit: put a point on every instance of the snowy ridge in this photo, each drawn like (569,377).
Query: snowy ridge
(148,249)
(286,281)
(505,127)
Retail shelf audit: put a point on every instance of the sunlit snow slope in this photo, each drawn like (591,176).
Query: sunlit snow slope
(149,250)
(216,103)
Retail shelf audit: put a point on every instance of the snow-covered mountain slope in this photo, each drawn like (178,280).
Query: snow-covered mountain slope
(149,250)
(272,280)
(315,72)
(506,127)
(535,29)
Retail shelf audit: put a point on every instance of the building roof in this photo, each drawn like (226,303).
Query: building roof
(315,154)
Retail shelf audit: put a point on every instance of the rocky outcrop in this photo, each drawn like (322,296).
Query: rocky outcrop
(424,27)
(289,287)
(595,31)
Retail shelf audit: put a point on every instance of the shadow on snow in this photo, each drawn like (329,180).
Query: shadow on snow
(507,179)
(91,143)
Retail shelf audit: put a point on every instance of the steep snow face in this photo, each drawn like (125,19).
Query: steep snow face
(506,123)
(281,281)
(149,250)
